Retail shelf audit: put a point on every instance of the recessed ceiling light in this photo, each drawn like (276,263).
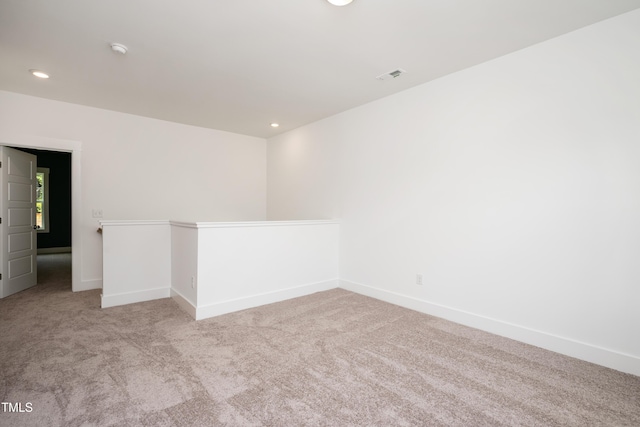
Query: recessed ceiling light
(119,48)
(39,74)
(274,125)
(339,2)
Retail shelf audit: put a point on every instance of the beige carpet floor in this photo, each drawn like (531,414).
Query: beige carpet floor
(330,359)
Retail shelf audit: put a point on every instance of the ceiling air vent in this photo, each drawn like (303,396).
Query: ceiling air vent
(391,74)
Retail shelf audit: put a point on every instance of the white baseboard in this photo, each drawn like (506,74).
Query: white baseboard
(580,350)
(217,309)
(132,297)
(60,250)
(87,285)
(184,303)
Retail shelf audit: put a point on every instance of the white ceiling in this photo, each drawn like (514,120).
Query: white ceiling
(238,65)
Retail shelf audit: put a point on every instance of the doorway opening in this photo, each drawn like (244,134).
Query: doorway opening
(53,212)
(74,148)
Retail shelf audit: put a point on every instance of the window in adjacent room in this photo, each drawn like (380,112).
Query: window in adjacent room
(42,200)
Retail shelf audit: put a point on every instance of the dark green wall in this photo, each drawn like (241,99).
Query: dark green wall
(59,165)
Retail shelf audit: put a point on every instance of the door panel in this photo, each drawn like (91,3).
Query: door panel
(19,242)
(20,267)
(20,217)
(18,251)
(20,166)
(19,192)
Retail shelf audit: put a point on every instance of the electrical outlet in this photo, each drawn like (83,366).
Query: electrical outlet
(419,279)
(97,213)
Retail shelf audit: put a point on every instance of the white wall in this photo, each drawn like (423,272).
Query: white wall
(243,265)
(513,187)
(139,168)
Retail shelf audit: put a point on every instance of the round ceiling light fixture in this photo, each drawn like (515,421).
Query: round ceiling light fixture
(39,74)
(339,2)
(119,48)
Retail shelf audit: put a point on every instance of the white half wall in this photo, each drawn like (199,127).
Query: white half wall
(247,264)
(512,187)
(184,265)
(216,268)
(137,261)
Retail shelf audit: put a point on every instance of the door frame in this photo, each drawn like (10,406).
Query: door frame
(75,148)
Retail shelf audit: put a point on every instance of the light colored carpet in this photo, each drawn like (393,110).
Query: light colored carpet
(330,359)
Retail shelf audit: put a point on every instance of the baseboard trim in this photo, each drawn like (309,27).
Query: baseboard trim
(133,297)
(580,350)
(184,303)
(225,307)
(60,250)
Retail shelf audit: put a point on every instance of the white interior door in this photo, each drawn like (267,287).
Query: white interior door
(18,219)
